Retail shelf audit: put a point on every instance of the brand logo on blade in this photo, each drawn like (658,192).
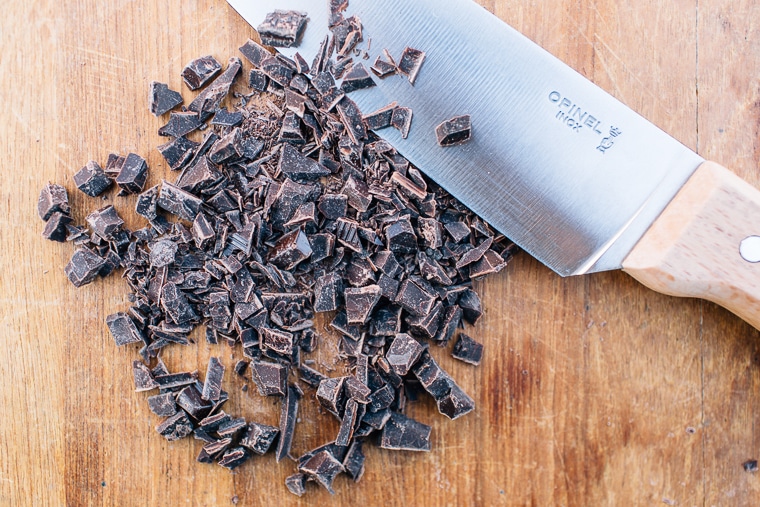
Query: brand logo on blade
(581,120)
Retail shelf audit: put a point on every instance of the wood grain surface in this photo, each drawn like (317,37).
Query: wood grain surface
(593,390)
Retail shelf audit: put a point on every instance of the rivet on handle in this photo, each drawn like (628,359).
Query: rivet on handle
(750,249)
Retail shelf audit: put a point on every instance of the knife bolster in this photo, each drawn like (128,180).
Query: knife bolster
(698,244)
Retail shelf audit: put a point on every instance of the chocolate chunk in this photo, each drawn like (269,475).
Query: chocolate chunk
(386,321)
(175,427)
(133,174)
(414,299)
(475,254)
(254,52)
(181,124)
(347,424)
(452,316)
(173,380)
(91,179)
(328,293)
(105,222)
(402,433)
(401,119)
(282,29)
(330,394)
(432,378)
(323,467)
(381,118)
(351,117)
(401,237)
(457,230)
(233,458)
(270,378)
(356,78)
(55,228)
(224,118)
(360,302)
(190,400)
(427,325)
(113,165)
(143,377)
(410,63)
(83,267)
(322,246)
(356,389)
(358,194)
(403,353)
(162,404)
(161,99)
(290,250)
(146,203)
(299,167)
(288,416)
(257,80)
(175,200)
(259,437)
(457,130)
(468,350)
(53,198)
(175,304)
(199,71)
(382,68)
(277,340)
(456,403)
(296,484)
(277,70)
(163,253)
(386,262)
(232,428)
(353,463)
(178,152)
(208,100)
(123,329)
(292,129)
(472,309)
(212,387)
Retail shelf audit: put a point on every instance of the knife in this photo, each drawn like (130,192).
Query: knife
(569,173)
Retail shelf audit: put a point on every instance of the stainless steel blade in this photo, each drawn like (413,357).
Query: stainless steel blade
(561,167)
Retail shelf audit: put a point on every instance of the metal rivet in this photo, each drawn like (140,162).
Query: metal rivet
(750,249)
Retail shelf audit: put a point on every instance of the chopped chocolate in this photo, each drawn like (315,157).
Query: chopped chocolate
(190,400)
(401,237)
(401,119)
(457,230)
(358,194)
(181,124)
(277,340)
(381,118)
(468,350)
(175,304)
(83,267)
(322,246)
(133,174)
(105,222)
(456,403)
(457,130)
(353,463)
(351,117)
(91,179)
(299,167)
(143,377)
(172,380)
(292,129)
(282,28)
(427,325)
(146,203)
(360,302)
(296,484)
(414,299)
(356,389)
(410,63)
(310,376)
(291,249)
(330,394)
(322,467)
(471,307)
(356,78)
(402,433)
(179,202)
(175,427)
(270,378)
(347,424)
(403,353)
(382,68)
(452,316)
(257,80)
(212,387)
(163,253)
(198,72)
(53,198)
(328,291)
(750,465)
(233,458)
(259,437)
(208,100)
(178,152)
(162,404)
(55,228)
(288,416)
(161,99)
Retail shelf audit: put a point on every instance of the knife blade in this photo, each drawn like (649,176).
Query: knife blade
(576,178)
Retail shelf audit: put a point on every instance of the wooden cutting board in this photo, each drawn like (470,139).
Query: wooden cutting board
(593,390)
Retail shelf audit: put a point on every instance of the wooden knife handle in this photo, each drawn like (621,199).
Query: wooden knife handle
(706,244)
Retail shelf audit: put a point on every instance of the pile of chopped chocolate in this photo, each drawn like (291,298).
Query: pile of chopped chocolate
(287,206)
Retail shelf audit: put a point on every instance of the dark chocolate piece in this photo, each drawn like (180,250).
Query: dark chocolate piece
(105,222)
(475,254)
(143,377)
(224,118)
(282,29)
(322,246)
(348,423)
(134,172)
(457,130)
(410,63)
(83,267)
(357,389)
(403,353)
(299,167)
(257,80)
(162,404)
(291,249)
(468,350)
(401,119)
(259,437)
(750,465)
(452,316)
(233,458)
(208,100)
(270,378)
(199,71)
(353,463)
(212,387)
(288,416)
(457,230)
(172,380)
(146,203)
(175,427)
(382,68)
(254,52)
(310,376)
(402,433)
(322,467)
(356,78)
(296,484)
(55,228)
(328,293)
(352,119)
(292,129)
(414,299)
(179,202)
(471,306)
(381,118)
(330,394)
(123,329)
(190,400)
(401,237)
(178,152)
(181,124)
(456,403)
(91,179)
(163,253)
(53,198)
(175,304)
(161,99)
(360,302)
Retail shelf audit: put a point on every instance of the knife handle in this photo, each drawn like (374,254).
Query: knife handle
(706,244)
